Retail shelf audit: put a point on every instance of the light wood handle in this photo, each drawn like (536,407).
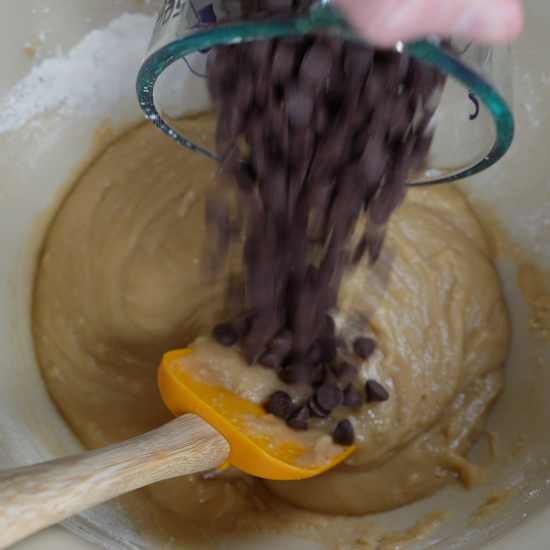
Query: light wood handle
(34,497)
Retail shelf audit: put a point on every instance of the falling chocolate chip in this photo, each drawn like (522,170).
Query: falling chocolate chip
(344,434)
(299,106)
(276,6)
(315,68)
(296,373)
(282,64)
(376,392)
(279,404)
(318,374)
(225,334)
(299,419)
(328,349)
(364,347)
(332,130)
(315,354)
(282,343)
(315,409)
(243,322)
(330,325)
(271,360)
(329,397)
(351,397)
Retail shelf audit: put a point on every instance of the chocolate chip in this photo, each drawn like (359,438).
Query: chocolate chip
(315,353)
(279,404)
(225,334)
(276,5)
(243,322)
(296,373)
(259,51)
(315,409)
(364,347)
(282,343)
(318,374)
(315,67)
(330,325)
(358,62)
(299,418)
(271,360)
(347,372)
(321,120)
(344,434)
(376,392)
(283,63)
(246,179)
(359,250)
(352,397)
(263,327)
(299,106)
(329,397)
(328,349)
(331,298)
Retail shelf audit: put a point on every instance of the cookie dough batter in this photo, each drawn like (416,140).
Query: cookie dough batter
(120,282)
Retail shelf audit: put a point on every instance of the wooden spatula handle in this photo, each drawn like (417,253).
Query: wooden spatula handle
(34,497)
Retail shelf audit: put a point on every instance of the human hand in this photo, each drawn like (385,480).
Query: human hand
(384,22)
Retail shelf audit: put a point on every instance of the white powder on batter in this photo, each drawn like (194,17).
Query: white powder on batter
(99,69)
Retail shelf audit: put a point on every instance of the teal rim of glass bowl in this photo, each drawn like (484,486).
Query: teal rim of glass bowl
(328,19)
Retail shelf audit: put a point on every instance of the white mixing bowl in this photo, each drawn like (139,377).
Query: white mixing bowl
(50,113)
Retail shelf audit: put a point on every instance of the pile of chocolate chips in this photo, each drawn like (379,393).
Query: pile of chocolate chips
(314,131)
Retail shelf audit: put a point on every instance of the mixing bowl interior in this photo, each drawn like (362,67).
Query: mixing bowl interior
(64,111)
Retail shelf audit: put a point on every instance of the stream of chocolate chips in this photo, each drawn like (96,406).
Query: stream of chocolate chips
(314,131)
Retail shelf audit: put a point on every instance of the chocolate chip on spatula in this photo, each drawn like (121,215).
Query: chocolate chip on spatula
(364,347)
(344,434)
(315,409)
(225,334)
(376,392)
(279,404)
(299,419)
(329,397)
(351,397)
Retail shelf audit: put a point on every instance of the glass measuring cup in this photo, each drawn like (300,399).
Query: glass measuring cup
(474,125)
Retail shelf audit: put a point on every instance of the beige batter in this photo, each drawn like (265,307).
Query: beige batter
(120,282)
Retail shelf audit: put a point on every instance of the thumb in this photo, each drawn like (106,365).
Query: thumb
(384,22)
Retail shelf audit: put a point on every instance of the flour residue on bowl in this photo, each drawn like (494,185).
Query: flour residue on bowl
(97,71)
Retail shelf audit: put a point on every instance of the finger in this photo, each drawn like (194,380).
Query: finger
(384,22)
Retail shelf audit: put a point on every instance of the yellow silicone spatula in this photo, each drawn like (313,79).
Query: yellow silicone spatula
(211,431)
(254,452)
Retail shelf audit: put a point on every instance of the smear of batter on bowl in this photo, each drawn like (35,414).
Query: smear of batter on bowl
(536,291)
(119,283)
(494,501)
